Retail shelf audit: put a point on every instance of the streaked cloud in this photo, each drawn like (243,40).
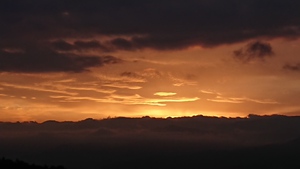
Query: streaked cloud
(210,92)
(69,87)
(127,99)
(122,86)
(35,88)
(164,94)
(124,77)
(241,100)
(224,100)
(91,89)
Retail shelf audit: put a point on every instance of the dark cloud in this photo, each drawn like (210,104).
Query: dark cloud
(123,44)
(63,45)
(78,45)
(133,25)
(294,67)
(254,50)
(130,74)
(154,24)
(43,60)
(110,60)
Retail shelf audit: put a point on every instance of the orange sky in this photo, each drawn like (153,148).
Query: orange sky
(159,84)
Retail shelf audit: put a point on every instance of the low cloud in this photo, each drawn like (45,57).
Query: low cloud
(37,88)
(165,94)
(45,60)
(210,92)
(241,100)
(126,99)
(292,67)
(253,51)
(78,45)
(123,44)
(122,86)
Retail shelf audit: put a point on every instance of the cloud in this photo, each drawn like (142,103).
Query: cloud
(120,43)
(162,102)
(128,76)
(164,94)
(177,81)
(157,25)
(122,86)
(224,100)
(210,92)
(294,67)
(78,45)
(253,51)
(126,99)
(45,60)
(38,88)
(69,87)
(241,100)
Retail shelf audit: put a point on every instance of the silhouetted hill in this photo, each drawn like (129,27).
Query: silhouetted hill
(18,164)
(255,142)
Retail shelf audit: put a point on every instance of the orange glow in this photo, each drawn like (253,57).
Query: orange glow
(197,81)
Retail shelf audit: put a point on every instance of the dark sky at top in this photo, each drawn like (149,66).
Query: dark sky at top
(163,25)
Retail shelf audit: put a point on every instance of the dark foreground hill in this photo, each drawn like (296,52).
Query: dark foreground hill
(255,142)
(18,164)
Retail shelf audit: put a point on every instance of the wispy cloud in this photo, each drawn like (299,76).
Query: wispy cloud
(182,82)
(72,84)
(265,101)
(91,89)
(127,99)
(125,77)
(224,100)
(162,102)
(241,100)
(35,88)
(164,94)
(122,86)
(210,92)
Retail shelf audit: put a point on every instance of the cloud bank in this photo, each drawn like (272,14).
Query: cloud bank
(76,26)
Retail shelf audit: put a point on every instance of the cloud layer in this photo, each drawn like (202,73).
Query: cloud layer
(30,29)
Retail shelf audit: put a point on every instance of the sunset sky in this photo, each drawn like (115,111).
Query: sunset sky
(74,59)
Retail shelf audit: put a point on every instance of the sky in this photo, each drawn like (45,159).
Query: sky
(70,60)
